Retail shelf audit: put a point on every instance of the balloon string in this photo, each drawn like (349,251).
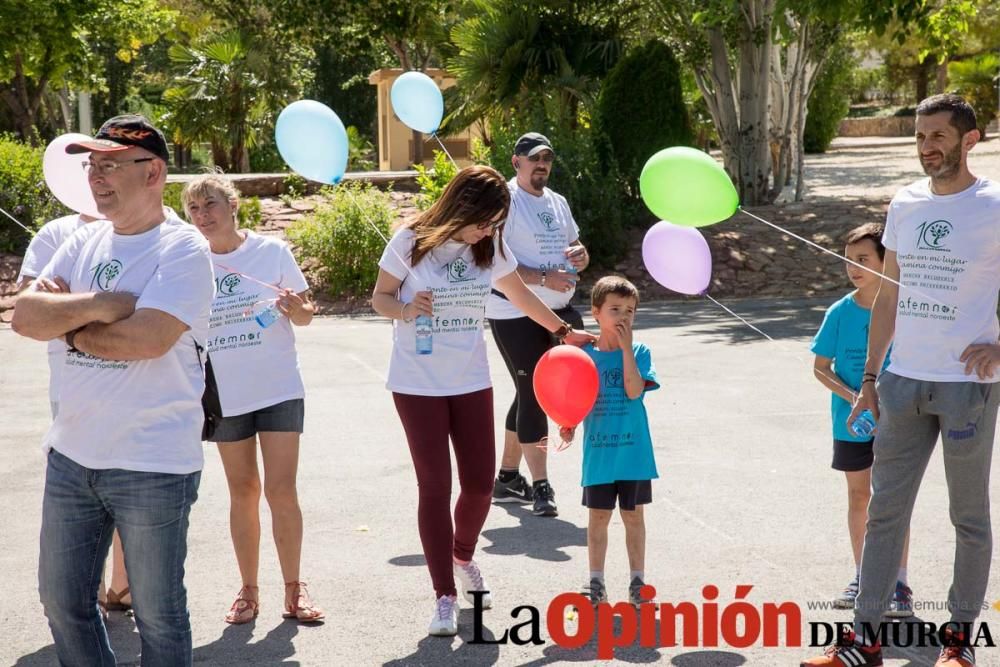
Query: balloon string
(406,265)
(849,261)
(441,143)
(836,380)
(30,231)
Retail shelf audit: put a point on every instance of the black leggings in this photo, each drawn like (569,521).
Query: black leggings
(522,343)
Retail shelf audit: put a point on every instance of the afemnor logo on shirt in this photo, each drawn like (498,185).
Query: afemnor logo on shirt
(105,274)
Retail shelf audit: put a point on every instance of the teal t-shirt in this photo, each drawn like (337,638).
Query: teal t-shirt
(616,442)
(843,337)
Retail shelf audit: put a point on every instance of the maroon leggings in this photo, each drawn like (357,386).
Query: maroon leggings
(428,421)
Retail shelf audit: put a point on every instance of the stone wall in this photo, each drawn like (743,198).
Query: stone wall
(890,126)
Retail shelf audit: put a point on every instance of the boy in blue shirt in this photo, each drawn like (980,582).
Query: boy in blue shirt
(618,461)
(841,346)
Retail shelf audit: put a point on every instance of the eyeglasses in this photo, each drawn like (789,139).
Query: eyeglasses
(108,167)
(492,226)
(543,156)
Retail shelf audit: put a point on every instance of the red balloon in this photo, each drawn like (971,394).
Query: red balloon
(566,384)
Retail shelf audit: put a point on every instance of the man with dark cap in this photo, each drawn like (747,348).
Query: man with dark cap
(130,299)
(545,239)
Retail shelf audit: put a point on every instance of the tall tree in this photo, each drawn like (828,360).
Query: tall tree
(51,44)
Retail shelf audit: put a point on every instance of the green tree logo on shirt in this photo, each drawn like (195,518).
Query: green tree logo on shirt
(549,221)
(933,234)
(228,284)
(458,271)
(105,274)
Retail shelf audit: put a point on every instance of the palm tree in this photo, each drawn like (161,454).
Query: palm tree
(976,80)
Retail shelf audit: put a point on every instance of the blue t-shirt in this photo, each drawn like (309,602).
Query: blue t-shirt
(843,337)
(616,441)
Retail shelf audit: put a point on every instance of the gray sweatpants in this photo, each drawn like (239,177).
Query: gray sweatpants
(912,415)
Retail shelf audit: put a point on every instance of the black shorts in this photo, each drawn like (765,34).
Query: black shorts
(852,456)
(284,417)
(628,492)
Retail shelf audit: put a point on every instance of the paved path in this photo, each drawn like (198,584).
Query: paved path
(746,496)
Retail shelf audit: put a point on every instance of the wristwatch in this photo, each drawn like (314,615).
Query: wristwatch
(70,336)
(563,331)
(542,283)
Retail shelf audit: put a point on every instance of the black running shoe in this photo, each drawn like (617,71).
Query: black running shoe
(516,490)
(545,498)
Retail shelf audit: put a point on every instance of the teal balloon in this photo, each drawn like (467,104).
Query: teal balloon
(417,101)
(687,187)
(312,141)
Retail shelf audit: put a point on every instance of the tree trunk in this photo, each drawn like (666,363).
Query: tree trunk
(921,77)
(942,76)
(754,57)
(418,147)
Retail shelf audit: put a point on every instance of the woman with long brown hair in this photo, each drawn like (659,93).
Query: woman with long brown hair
(439,270)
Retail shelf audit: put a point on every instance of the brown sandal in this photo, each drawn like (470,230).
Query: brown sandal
(244,609)
(301,608)
(114,602)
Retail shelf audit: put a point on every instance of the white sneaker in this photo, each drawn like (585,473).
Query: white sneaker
(471,579)
(445,620)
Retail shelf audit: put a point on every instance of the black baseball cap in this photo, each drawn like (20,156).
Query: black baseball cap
(123,132)
(531,143)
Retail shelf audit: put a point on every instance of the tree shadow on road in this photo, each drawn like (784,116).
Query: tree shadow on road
(534,537)
(434,651)
(778,318)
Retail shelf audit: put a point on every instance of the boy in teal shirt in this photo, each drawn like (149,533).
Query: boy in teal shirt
(841,346)
(618,461)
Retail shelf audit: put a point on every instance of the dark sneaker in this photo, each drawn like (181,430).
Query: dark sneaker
(846,599)
(545,497)
(956,652)
(902,602)
(849,654)
(596,592)
(516,490)
(633,592)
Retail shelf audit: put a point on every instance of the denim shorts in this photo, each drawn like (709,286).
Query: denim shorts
(284,417)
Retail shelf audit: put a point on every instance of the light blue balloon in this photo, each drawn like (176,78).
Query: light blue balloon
(313,141)
(418,102)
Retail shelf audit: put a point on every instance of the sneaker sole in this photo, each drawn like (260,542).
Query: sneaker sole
(842,604)
(441,633)
(546,513)
(899,614)
(511,499)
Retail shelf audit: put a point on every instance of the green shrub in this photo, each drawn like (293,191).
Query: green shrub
(830,100)
(172,198)
(340,239)
(641,108)
(596,192)
(361,151)
(249,213)
(432,181)
(975,80)
(23,193)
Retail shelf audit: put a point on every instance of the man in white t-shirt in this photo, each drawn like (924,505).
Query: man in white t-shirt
(131,301)
(542,234)
(942,241)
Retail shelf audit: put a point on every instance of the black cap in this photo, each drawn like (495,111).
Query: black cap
(532,143)
(123,132)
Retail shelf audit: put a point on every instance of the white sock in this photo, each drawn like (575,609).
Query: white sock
(636,573)
(902,575)
(597,574)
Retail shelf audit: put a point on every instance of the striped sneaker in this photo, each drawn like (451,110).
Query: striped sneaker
(956,652)
(847,598)
(847,653)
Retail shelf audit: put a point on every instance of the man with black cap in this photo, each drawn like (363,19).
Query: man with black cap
(130,298)
(544,238)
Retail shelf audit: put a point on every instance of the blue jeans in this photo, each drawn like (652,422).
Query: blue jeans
(80,511)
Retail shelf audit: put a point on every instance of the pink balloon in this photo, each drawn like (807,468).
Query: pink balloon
(65,176)
(678,258)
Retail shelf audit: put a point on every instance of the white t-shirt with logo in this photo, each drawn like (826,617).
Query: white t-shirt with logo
(254,367)
(40,251)
(457,365)
(538,230)
(137,415)
(948,249)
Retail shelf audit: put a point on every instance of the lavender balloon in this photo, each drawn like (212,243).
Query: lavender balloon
(678,258)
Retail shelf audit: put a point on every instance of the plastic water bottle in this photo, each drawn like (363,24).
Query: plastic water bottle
(425,334)
(864,424)
(266,313)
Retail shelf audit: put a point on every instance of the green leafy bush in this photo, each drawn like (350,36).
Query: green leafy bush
(830,100)
(432,181)
(975,80)
(249,213)
(23,193)
(361,151)
(172,198)
(340,238)
(641,108)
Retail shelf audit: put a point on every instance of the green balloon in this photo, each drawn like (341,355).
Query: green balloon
(687,187)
